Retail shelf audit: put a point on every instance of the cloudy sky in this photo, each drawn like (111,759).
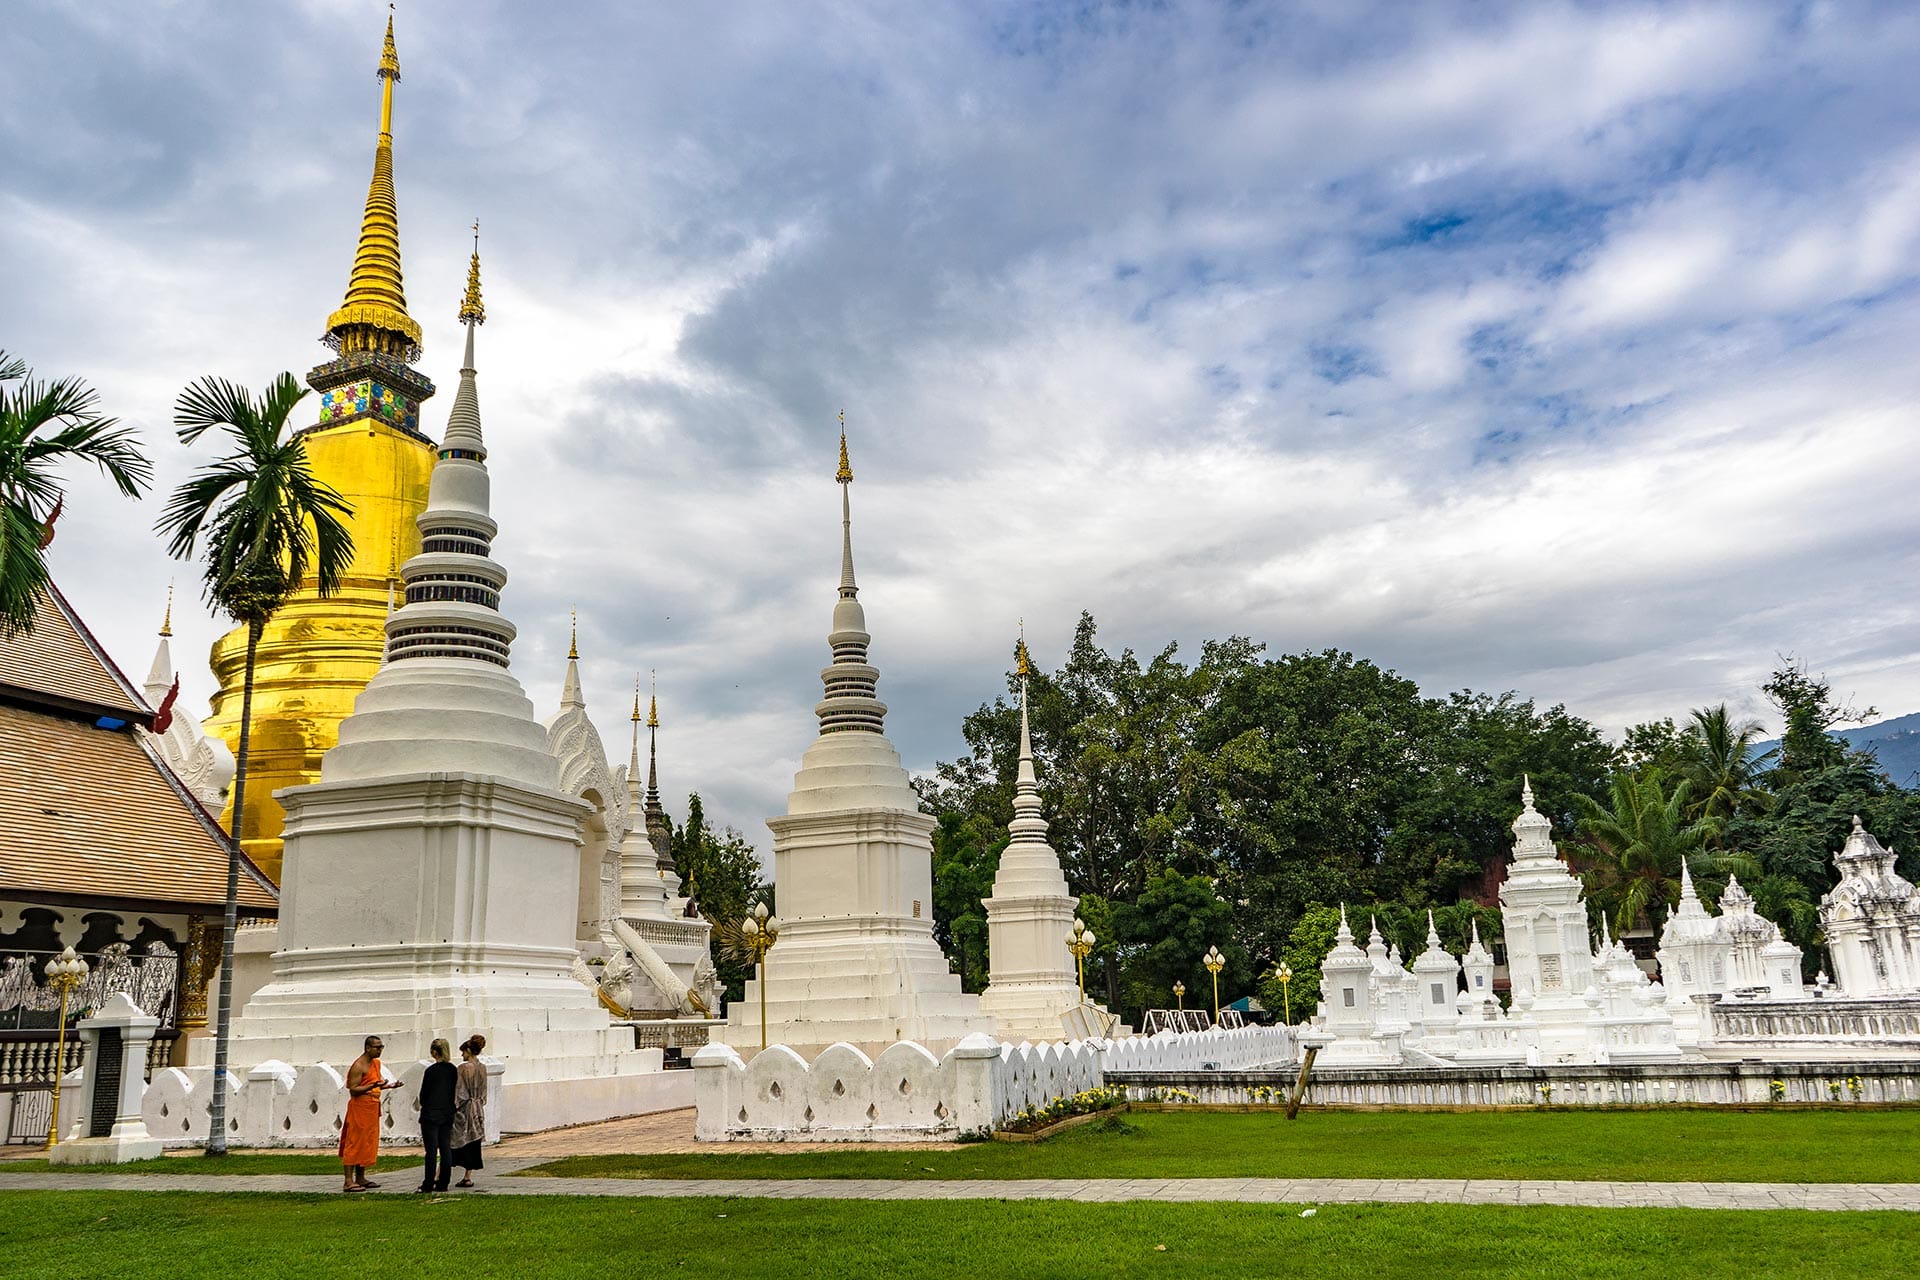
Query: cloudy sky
(1566,348)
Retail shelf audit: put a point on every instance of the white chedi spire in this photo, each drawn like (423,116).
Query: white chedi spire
(1532,831)
(1029,864)
(445,699)
(160,674)
(850,765)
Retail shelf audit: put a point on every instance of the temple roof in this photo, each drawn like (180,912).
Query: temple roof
(90,812)
(87,809)
(58,661)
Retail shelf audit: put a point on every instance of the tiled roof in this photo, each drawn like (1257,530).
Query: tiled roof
(89,812)
(59,659)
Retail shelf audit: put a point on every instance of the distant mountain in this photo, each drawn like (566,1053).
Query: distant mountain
(1894,743)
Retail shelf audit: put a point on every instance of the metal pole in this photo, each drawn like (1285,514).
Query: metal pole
(763,1000)
(59,1063)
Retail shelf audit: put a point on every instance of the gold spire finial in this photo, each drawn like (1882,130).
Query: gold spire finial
(653,701)
(845,474)
(636,699)
(1021,664)
(374,316)
(471,308)
(573,634)
(389,56)
(166,623)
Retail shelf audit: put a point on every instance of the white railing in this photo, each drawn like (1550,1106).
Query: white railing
(1242,1049)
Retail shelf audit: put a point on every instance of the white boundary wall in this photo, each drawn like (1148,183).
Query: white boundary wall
(277,1105)
(1241,1049)
(908,1095)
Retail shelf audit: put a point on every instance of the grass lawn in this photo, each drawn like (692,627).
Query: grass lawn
(98,1235)
(1625,1145)
(234,1164)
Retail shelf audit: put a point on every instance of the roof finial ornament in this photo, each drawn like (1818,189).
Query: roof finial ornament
(653,700)
(166,623)
(845,474)
(1023,666)
(389,57)
(472,310)
(636,700)
(573,635)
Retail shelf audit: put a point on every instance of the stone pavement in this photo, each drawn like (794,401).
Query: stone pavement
(1277,1191)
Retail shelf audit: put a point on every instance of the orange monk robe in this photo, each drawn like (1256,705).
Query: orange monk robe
(360,1135)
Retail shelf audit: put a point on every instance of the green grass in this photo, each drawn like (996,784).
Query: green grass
(1624,1145)
(97,1235)
(232,1165)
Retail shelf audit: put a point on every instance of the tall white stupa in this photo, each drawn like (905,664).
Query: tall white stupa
(1544,918)
(431,881)
(853,876)
(1031,984)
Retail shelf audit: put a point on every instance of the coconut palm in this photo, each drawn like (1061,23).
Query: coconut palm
(1635,842)
(42,423)
(1721,765)
(262,523)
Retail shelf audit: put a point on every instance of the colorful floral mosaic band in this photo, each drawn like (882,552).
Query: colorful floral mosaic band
(368,399)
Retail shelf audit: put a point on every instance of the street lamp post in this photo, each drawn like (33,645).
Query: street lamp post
(761,931)
(1080,942)
(1215,962)
(65,973)
(1286,991)
(1179,995)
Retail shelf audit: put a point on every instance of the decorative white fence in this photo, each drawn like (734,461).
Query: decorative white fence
(908,1095)
(1241,1049)
(277,1105)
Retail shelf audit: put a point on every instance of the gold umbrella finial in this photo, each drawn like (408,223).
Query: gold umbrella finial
(845,474)
(636,699)
(573,634)
(471,308)
(166,623)
(1022,665)
(653,701)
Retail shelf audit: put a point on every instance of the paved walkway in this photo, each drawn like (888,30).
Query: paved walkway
(1294,1191)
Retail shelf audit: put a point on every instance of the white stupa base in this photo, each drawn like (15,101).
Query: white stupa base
(108,1150)
(867,983)
(1035,1012)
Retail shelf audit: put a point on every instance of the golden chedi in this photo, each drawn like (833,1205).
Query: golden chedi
(318,654)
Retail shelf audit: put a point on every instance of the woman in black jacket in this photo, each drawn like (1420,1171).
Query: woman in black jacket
(436,1118)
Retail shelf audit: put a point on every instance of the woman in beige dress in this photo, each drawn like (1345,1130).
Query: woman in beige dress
(469,1110)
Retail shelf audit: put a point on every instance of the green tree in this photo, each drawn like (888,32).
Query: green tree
(1161,936)
(720,871)
(1633,845)
(966,856)
(1807,705)
(41,425)
(1306,948)
(1720,765)
(1656,744)
(263,522)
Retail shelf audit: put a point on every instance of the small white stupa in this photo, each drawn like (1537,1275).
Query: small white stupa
(670,971)
(1544,920)
(1872,920)
(431,883)
(853,877)
(1031,986)
(203,763)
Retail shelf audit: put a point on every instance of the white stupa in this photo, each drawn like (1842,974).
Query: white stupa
(1031,984)
(1544,920)
(431,880)
(203,763)
(853,876)
(1872,920)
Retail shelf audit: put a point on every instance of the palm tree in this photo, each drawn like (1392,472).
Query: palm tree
(40,424)
(262,521)
(1721,765)
(1637,841)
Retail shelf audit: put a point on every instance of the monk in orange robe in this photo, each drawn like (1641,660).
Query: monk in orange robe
(360,1135)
